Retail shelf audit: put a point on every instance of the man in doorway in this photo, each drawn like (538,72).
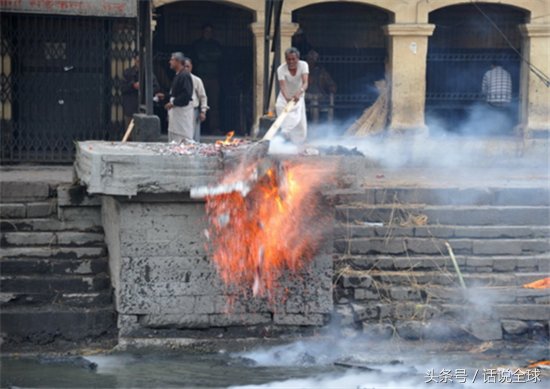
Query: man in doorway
(200,100)
(321,90)
(496,88)
(130,91)
(180,107)
(208,55)
(320,81)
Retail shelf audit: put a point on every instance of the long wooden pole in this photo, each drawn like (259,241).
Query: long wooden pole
(128,131)
(455,264)
(277,123)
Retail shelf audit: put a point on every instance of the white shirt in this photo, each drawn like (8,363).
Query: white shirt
(497,86)
(199,94)
(293,83)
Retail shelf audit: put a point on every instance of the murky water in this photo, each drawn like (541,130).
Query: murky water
(308,364)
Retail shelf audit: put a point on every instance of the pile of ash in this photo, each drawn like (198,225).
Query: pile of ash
(191,147)
(334,150)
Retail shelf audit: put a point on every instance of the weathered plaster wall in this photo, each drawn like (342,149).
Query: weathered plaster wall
(164,279)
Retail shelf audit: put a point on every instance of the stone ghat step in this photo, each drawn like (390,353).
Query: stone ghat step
(93,299)
(366,230)
(448,294)
(40,209)
(419,214)
(50,323)
(423,246)
(454,330)
(25,191)
(51,224)
(76,196)
(59,252)
(58,238)
(467,263)
(381,278)
(443,196)
(461,312)
(450,323)
(493,294)
(54,284)
(51,266)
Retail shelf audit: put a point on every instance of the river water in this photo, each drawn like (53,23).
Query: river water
(326,363)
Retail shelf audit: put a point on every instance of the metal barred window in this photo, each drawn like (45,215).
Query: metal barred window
(352,48)
(60,82)
(461,50)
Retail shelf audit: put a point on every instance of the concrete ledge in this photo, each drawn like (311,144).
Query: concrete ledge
(125,169)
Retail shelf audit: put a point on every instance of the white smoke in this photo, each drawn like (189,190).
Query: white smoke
(484,138)
(359,362)
(278,145)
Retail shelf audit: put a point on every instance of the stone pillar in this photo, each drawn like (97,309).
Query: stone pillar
(258,29)
(534,94)
(408,47)
(287,30)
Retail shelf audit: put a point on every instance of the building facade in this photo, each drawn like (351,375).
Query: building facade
(426,44)
(433,52)
(61,67)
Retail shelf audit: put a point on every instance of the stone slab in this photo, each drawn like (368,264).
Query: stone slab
(12,210)
(50,323)
(17,191)
(76,195)
(41,209)
(447,215)
(116,168)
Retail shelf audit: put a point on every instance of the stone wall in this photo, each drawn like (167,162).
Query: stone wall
(165,281)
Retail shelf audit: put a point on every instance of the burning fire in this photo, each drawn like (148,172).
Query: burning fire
(228,140)
(255,235)
(539,364)
(543,283)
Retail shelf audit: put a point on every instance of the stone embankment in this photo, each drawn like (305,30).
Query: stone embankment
(394,274)
(55,286)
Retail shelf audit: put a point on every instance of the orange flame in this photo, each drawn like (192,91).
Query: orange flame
(538,364)
(543,283)
(275,227)
(228,140)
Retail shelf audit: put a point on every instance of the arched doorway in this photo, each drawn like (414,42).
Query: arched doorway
(179,26)
(467,40)
(352,47)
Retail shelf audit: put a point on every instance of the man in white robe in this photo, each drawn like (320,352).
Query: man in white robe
(180,106)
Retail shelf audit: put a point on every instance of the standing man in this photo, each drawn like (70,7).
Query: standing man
(497,86)
(130,91)
(497,91)
(180,108)
(200,100)
(320,81)
(208,55)
(293,82)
